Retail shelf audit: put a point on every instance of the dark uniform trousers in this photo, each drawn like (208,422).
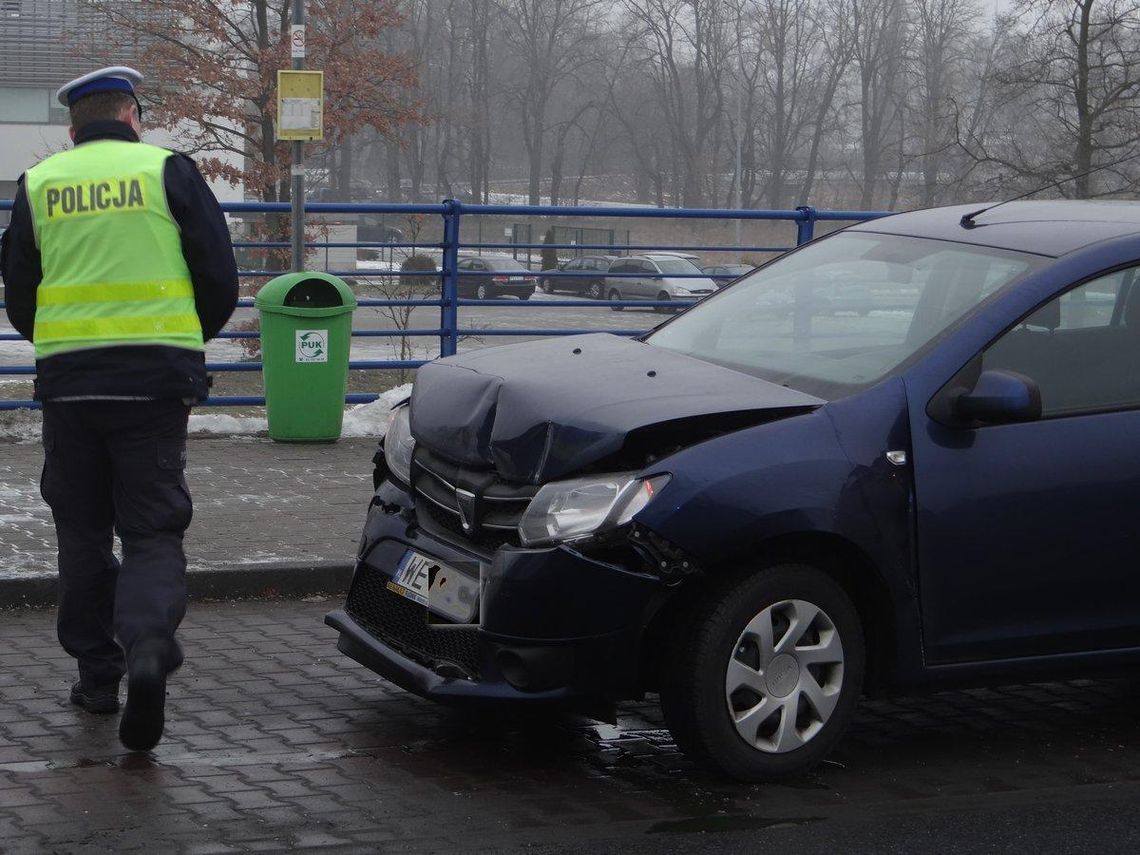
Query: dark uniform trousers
(117,467)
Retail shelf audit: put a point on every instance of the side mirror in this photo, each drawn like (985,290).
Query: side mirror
(999,397)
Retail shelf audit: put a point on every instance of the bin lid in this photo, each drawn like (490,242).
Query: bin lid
(312,294)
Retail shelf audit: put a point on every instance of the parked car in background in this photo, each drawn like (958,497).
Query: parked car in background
(722,274)
(657,276)
(589,278)
(761,514)
(487,276)
(371,228)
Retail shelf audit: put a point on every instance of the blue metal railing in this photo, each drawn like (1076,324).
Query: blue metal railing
(452,213)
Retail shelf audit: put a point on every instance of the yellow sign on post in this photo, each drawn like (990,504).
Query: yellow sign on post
(300,105)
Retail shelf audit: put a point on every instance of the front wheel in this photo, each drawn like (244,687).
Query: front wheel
(547,286)
(615,296)
(663,297)
(482,292)
(594,292)
(762,679)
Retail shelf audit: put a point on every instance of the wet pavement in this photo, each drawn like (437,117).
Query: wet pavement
(276,742)
(256,503)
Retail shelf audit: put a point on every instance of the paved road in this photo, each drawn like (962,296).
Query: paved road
(276,742)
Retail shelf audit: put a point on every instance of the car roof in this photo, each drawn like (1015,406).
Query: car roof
(1051,227)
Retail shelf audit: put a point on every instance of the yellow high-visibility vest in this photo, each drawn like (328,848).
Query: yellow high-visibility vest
(113,270)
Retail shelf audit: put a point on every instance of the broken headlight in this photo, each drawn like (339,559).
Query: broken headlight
(568,510)
(399,445)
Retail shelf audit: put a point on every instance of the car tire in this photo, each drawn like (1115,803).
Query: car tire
(595,291)
(615,295)
(737,689)
(547,286)
(482,292)
(661,297)
(526,295)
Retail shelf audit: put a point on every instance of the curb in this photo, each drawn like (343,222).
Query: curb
(249,581)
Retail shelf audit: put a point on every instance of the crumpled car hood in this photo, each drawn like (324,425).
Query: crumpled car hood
(543,410)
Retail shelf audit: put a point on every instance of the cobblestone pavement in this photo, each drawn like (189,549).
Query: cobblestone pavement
(277,742)
(255,502)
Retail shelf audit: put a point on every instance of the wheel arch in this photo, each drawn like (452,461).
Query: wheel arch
(839,558)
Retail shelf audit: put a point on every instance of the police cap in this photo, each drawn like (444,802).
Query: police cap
(116,78)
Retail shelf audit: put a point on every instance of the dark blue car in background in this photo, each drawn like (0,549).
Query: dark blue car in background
(769,506)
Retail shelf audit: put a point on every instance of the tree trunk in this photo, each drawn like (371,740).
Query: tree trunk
(1084,143)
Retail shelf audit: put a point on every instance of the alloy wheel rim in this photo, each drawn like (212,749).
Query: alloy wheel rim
(784,676)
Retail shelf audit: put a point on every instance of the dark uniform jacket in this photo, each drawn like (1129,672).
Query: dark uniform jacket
(130,371)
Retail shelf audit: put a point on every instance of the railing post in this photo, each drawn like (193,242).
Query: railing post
(449,312)
(805,225)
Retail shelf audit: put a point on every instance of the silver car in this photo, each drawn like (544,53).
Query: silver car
(656,277)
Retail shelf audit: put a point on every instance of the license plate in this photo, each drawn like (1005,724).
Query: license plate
(443,589)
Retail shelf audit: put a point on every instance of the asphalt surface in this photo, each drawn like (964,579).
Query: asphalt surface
(275,742)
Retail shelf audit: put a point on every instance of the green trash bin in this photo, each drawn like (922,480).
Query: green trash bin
(306,329)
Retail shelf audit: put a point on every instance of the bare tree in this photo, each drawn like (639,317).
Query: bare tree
(837,45)
(683,48)
(1068,83)
(942,49)
(784,76)
(550,41)
(880,44)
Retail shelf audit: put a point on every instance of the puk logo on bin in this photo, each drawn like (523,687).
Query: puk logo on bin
(312,346)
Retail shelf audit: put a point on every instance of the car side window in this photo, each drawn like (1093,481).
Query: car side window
(1081,348)
(573,264)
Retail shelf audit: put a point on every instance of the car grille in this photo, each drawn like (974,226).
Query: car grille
(403,625)
(492,508)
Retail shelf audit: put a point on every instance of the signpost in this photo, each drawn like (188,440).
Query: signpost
(300,105)
(300,118)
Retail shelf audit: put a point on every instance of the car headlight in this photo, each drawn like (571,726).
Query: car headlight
(568,510)
(399,445)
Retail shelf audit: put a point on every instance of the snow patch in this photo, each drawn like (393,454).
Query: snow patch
(20,425)
(372,419)
(362,420)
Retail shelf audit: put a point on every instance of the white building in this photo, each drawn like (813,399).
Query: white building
(43,44)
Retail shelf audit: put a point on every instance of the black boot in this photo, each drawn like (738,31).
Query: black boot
(143,719)
(100,700)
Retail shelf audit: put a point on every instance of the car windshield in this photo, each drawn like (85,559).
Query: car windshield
(843,313)
(676,265)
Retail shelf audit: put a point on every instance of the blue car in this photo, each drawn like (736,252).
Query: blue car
(766,508)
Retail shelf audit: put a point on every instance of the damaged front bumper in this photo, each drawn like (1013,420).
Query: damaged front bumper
(553,625)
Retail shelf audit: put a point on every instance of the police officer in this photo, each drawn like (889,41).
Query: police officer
(118,266)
